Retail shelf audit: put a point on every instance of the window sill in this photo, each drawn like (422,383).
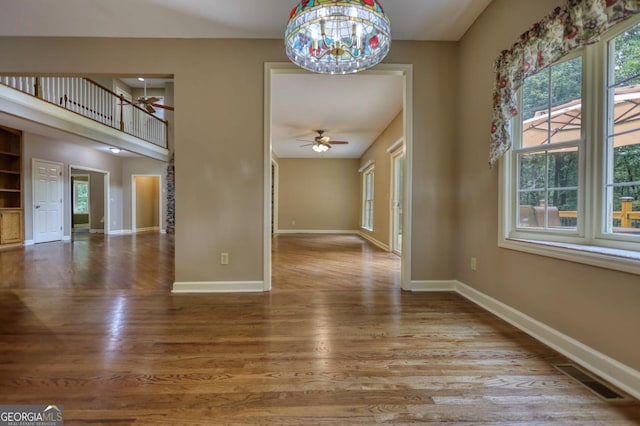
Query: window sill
(603,257)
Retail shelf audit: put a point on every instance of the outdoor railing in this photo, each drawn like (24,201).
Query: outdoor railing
(90,99)
(626,215)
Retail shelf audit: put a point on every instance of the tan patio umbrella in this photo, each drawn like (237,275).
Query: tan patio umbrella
(566,121)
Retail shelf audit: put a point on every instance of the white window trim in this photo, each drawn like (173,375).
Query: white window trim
(588,245)
(366,166)
(74,197)
(367,169)
(609,258)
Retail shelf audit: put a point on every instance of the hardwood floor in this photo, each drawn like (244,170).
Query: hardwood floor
(91,325)
(92,261)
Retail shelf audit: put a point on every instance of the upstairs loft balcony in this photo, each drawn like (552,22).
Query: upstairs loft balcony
(85,108)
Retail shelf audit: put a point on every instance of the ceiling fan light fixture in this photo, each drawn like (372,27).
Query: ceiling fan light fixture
(337,36)
(320,147)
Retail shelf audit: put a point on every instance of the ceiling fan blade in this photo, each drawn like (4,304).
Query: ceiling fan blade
(338,143)
(151,100)
(305,140)
(149,109)
(167,107)
(307,144)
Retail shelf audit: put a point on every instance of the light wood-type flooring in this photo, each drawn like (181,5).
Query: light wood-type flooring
(91,325)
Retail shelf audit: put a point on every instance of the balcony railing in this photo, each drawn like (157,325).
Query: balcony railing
(626,220)
(625,217)
(89,99)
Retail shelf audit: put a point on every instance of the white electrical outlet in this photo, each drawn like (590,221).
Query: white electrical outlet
(224,258)
(474,264)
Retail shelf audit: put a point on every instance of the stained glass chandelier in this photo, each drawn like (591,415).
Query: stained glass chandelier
(337,36)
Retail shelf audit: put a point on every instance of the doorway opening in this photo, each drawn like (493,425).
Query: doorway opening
(80,203)
(146,203)
(404,243)
(89,205)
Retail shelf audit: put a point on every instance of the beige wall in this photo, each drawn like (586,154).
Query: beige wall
(433,163)
(597,307)
(67,153)
(318,194)
(120,168)
(377,153)
(219,119)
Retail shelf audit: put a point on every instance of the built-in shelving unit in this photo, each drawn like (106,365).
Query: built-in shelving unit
(11,212)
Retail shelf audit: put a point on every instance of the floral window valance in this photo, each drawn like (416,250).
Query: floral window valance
(576,24)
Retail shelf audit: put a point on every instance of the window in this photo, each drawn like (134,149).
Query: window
(549,148)
(573,175)
(80,197)
(622,145)
(367,198)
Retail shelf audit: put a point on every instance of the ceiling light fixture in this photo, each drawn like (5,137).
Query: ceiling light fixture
(114,150)
(337,36)
(320,147)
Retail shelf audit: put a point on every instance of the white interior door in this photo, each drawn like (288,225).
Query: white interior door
(47,201)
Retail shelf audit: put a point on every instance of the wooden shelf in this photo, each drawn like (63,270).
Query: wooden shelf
(11,213)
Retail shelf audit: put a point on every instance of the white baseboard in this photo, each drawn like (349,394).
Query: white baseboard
(374,241)
(432,286)
(28,242)
(618,374)
(148,228)
(218,287)
(315,231)
(120,232)
(66,238)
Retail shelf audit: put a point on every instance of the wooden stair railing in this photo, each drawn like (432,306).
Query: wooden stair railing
(94,101)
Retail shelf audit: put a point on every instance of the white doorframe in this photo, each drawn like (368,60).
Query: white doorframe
(406,71)
(134,227)
(34,207)
(276,172)
(395,152)
(72,179)
(107,195)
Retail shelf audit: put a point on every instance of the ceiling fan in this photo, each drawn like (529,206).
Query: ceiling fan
(151,103)
(322,143)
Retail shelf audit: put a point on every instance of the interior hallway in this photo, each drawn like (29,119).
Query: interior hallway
(91,326)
